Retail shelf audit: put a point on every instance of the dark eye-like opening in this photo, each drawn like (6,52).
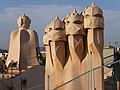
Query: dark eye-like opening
(77,22)
(50,29)
(98,15)
(87,15)
(68,22)
(73,13)
(59,28)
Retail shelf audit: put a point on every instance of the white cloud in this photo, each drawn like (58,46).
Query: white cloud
(41,15)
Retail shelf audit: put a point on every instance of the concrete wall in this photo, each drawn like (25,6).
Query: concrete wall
(108,51)
(34,77)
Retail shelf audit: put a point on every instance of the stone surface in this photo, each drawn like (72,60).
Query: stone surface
(23,44)
(69,44)
(34,81)
(95,40)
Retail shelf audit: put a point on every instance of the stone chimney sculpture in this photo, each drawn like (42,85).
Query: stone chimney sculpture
(73,48)
(94,24)
(54,40)
(24,45)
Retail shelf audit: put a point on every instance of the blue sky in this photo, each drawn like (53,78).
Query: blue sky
(42,11)
(105,4)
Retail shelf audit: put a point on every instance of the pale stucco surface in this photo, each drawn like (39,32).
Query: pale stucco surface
(69,44)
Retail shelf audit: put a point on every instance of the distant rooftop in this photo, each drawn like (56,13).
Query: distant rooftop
(108,46)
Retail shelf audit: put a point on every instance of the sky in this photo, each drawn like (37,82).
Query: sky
(41,12)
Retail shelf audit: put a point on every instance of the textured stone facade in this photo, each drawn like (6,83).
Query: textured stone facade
(69,45)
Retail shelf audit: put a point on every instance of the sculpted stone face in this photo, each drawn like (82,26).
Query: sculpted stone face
(74,24)
(46,37)
(93,17)
(54,32)
(75,32)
